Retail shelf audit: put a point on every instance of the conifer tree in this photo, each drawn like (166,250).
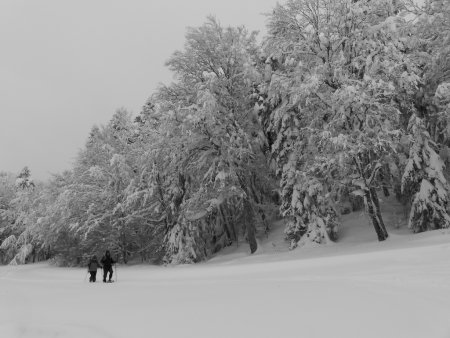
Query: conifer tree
(424,180)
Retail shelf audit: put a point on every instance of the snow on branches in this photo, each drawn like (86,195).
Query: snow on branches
(424,179)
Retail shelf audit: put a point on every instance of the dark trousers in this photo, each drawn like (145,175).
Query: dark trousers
(105,272)
(93,276)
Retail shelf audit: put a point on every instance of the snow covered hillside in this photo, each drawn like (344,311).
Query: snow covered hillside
(355,288)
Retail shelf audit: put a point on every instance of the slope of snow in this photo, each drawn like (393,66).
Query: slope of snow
(354,288)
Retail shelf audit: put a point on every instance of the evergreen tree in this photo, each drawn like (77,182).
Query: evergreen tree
(7,218)
(21,241)
(24,180)
(425,181)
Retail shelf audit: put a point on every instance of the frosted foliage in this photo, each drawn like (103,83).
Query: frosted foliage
(22,255)
(23,180)
(443,93)
(335,92)
(429,207)
(312,218)
(96,172)
(181,245)
(424,177)
(8,242)
(226,186)
(189,241)
(442,102)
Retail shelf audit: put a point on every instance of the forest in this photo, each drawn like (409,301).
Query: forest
(339,103)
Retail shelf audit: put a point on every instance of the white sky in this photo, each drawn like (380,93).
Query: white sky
(67,65)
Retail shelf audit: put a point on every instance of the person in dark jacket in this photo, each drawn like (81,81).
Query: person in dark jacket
(93,265)
(107,262)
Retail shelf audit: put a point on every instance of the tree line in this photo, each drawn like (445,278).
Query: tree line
(342,100)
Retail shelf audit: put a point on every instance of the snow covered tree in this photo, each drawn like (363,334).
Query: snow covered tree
(338,78)
(425,181)
(24,180)
(442,130)
(21,214)
(7,194)
(221,162)
(103,173)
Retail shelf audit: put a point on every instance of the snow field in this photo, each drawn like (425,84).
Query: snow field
(401,292)
(356,288)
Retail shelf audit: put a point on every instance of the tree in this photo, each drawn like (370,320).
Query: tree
(222,174)
(424,181)
(7,194)
(24,180)
(21,242)
(338,81)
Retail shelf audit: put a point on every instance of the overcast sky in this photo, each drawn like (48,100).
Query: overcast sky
(67,65)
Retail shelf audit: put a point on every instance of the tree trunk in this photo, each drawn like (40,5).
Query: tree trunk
(124,254)
(221,214)
(250,227)
(376,202)
(371,199)
(373,209)
(251,236)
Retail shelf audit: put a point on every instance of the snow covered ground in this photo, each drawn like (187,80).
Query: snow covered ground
(355,288)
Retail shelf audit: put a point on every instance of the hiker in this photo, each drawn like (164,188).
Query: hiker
(107,262)
(93,265)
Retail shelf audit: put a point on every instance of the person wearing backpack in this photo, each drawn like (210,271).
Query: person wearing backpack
(107,262)
(93,265)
